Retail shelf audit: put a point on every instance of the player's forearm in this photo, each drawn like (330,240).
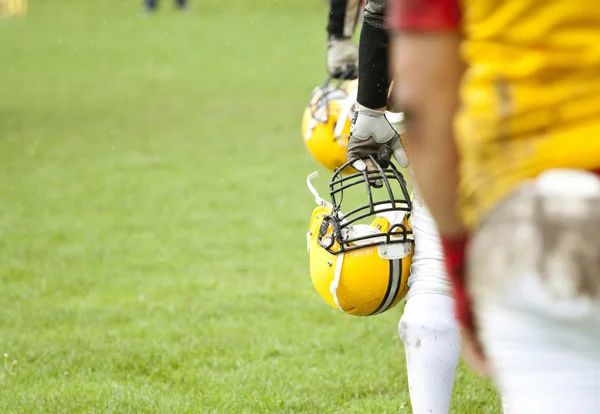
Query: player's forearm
(373,57)
(436,172)
(373,67)
(343,16)
(428,71)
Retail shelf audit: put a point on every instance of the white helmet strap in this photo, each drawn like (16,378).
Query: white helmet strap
(314,191)
(336,280)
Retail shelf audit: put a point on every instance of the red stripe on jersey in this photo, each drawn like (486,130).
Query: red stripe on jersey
(423,15)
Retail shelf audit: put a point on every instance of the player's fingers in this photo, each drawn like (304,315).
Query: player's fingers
(373,175)
(359,150)
(399,152)
(350,71)
(384,156)
(359,165)
(370,165)
(473,353)
(336,72)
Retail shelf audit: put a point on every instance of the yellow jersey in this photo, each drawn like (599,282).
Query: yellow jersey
(530,97)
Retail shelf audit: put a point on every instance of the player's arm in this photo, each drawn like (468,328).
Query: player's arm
(371,133)
(373,57)
(428,69)
(343,16)
(342,52)
(427,65)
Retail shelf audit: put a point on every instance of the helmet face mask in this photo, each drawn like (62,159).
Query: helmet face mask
(395,201)
(319,101)
(360,255)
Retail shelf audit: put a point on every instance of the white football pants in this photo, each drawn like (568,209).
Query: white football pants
(428,327)
(534,276)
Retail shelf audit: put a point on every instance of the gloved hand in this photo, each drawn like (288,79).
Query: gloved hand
(372,134)
(342,58)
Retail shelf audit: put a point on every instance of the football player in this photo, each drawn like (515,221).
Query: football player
(503,106)
(151,5)
(428,328)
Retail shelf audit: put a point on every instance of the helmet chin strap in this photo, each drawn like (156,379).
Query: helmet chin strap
(336,280)
(314,191)
(340,258)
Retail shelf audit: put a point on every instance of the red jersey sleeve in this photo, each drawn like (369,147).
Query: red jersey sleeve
(423,15)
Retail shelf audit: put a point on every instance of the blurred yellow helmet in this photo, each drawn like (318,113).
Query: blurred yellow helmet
(326,122)
(361,269)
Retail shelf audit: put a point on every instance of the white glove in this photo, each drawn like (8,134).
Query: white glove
(342,58)
(372,134)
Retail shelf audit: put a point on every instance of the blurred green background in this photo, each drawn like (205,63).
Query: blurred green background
(153,214)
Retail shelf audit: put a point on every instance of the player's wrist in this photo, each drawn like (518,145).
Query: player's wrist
(376,113)
(373,67)
(334,37)
(339,41)
(454,248)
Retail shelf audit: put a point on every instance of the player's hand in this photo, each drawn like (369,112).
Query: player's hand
(371,134)
(472,352)
(455,260)
(342,58)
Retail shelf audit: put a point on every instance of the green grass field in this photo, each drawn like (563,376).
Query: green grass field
(153,214)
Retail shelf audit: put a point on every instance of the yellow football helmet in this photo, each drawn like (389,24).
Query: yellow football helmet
(361,269)
(326,122)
